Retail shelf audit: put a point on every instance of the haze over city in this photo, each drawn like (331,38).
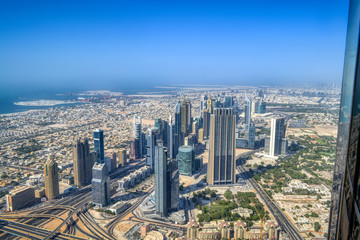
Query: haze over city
(179,120)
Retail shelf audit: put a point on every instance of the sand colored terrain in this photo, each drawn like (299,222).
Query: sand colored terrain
(321,130)
(144,121)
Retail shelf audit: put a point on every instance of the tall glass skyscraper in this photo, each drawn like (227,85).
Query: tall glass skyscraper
(247,110)
(221,166)
(345,215)
(99,145)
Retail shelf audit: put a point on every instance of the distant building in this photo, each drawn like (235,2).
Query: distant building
(100,185)
(229,102)
(113,161)
(19,197)
(201,135)
(251,136)
(151,138)
(206,123)
(82,163)
(186,160)
(51,177)
(186,120)
(138,138)
(248,106)
(277,144)
(99,144)
(221,166)
(122,156)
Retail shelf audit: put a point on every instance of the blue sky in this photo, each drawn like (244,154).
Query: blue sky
(114,44)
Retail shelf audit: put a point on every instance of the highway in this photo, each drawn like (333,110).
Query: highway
(283,221)
(111,225)
(74,203)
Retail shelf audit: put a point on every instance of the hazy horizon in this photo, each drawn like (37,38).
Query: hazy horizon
(88,45)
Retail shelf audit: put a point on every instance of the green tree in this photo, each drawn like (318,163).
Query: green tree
(317,226)
(228,194)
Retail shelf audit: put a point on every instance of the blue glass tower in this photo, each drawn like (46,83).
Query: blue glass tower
(99,144)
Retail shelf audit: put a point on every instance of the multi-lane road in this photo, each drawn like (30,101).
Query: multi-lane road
(283,221)
(75,204)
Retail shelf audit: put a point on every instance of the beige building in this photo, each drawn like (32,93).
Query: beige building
(192,230)
(224,228)
(122,156)
(239,230)
(19,197)
(51,177)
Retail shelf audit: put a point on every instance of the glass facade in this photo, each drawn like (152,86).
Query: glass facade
(344,215)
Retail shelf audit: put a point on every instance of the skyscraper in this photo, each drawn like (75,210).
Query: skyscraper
(186,160)
(51,177)
(206,123)
(203,105)
(138,138)
(170,138)
(161,180)
(177,124)
(82,163)
(173,185)
(186,119)
(150,147)
(100,185)
(251,136)
(248,105)
(221,166)
(209,105)
(278,143)
(229,102)
(99,144)
(345,214)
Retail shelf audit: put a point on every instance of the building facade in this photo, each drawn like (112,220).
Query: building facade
(19,197)
(186,160)
(82,163)
(221,165)
(277,141)
(51,177)
(100,185)
(161,180)
(99,144)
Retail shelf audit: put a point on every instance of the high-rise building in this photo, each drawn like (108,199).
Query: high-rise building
(345,214)
(138,137)
(254,106)
(229,102)
(248,106)
(82,163)
(170,138)
(150,146)
(251,136)
(100,185)
(99,144)
(51,177)
(210,105)
(221,166)
(201,135)
(186,160)
(173,185)
(177,124)
(278,143)
(19,197)
(161,180)
(203,105)
(239,230)
(206,123)
(122,156)
(186,119)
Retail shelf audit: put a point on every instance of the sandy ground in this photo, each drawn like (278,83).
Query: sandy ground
(321,130)
(144,121)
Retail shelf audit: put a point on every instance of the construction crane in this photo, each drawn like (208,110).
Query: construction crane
(261,219)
